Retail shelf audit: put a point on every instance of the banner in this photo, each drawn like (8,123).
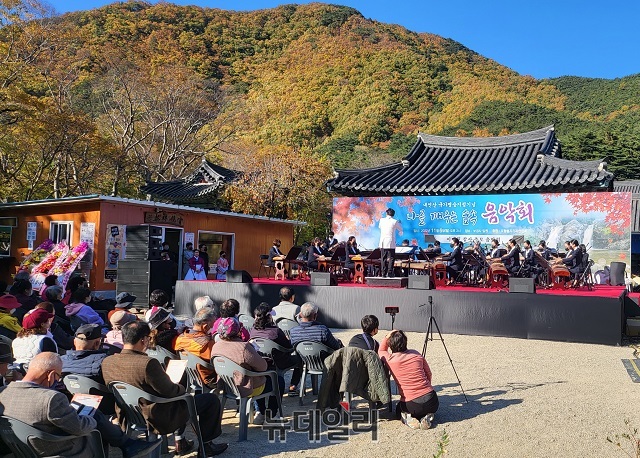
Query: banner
(5,241)
(599,220)
(115,249)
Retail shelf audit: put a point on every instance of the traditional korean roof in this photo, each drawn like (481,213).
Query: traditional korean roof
(522,163)
(632,186)
(199,187)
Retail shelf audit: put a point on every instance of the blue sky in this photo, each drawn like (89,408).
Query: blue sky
(541,38)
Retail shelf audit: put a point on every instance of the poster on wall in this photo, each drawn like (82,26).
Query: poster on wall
(5,241)
(599,220)
(189,237)
(115,249)
(87,235)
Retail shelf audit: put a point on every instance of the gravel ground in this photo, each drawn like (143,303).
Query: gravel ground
(527,398)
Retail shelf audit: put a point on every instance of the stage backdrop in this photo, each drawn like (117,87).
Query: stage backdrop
(599,220)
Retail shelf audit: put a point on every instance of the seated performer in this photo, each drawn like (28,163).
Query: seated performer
(331,243)
(512,258)
(435,249)
(573,259)
(455,260)
(543,250)
(352,250)
(274,251)
(314,252)
(495,247)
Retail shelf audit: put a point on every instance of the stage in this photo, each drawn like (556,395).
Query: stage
(568,315)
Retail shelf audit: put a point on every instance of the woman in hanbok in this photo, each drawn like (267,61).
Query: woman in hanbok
(222,266)
(196,267)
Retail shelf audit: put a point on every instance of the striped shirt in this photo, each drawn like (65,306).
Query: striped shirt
(314,332)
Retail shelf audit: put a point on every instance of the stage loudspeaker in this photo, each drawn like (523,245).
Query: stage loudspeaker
(239,276)
(616,274)
(421,282)
(522,285)
(323,279)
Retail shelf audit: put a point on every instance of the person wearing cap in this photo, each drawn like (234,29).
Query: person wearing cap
(124,301)
(199,341)
(232,346)
(88,355)
(32,401)
(9,326)
(117,320)
(34,338)
(162,333)
(135,367)
(6,357)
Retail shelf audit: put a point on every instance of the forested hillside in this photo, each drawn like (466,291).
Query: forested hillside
(102,100)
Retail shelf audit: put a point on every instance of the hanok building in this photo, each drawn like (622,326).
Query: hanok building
(202,188)
(522,163)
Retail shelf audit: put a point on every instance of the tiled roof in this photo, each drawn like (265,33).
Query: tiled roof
(207,179)
(522,163)
(632,186)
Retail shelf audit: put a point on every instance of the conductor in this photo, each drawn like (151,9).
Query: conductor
(388,227)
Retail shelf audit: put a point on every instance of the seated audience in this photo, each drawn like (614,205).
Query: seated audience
(124,301)
(72,285)
(199,341)
(134,367)
(50,280)
(23,292)
(265,328)
(54,295)
(63,339)
(365,340)
(33,402)
(9,325)
(418,399)
(118,319)
(231,346)
(202,302)
(286,308)
(34,337)
(163,334)
(231,309)
(7,375)
(88,355)
(310,330)
(79,312)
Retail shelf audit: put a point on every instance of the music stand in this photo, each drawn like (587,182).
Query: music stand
(429,336)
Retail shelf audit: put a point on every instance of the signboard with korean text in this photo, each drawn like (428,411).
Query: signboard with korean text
(163,217)
(115,249)
(599,220)
(88,234)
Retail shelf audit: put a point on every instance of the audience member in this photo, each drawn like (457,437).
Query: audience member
(72,285)
(34,337)
(418,399)
(50,280)
(199,342)
(33,402)
(159,298)
(264,327)
(6,357)
(202,302)
(310,330)
(79,312)
(54,295)
(124,301)
(162,333)
(231,309)
(118,319)
(9,325)
(133,366)
(63,339)
(22,291)
(231,346)
(88,355)
(286,308)
(365,340)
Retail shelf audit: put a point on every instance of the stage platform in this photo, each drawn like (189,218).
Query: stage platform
(568,315)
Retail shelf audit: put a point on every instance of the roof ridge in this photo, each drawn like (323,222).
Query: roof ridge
(539,135)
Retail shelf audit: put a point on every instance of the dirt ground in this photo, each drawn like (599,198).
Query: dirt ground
(526,398)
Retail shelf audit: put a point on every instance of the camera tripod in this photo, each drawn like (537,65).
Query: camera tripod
(429,336)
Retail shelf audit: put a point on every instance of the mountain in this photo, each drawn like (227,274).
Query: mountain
(315,78)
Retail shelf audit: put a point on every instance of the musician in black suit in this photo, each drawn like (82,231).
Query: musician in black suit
(315,250)
(455,260)
(495,247)
(543,250)
(274,251)
(352,250)
(331,242)
(573,259)
(511,260)
(435,249)
(529,255)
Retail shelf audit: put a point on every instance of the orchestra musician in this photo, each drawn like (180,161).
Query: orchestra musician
(274,252)
(331,243)
(573,259)
(435,249)
(480,269)
(495,247)
(455,260)
(352,250)
(543,250)
(314,251)
(529,256)
(511,260)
